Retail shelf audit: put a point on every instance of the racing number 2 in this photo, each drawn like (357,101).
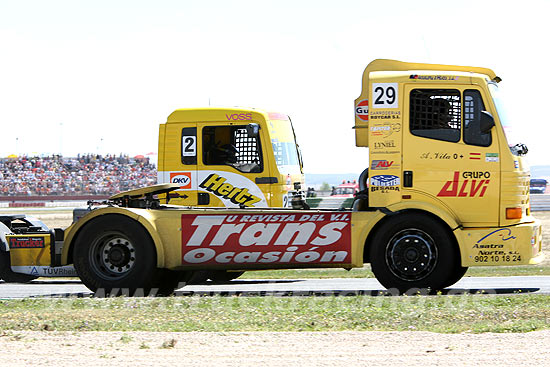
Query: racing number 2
(189,146)
(385,95)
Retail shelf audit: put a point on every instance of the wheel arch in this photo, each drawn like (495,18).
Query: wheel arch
(145,222)
(446,222)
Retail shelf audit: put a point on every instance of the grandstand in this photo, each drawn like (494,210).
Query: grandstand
(84,175)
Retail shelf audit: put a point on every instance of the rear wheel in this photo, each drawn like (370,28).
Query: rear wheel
(8,275)
(413,251)
(167,281)
(224,275)
(116,254)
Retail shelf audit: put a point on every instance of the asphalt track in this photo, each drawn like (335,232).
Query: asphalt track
(290,287)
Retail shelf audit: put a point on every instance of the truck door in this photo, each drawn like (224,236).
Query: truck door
(446,157)
(231,170)
(180,161)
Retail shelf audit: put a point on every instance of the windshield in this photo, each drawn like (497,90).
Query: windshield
(504,114)
(284,146)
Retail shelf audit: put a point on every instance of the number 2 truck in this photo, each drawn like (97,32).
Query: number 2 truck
(445,187)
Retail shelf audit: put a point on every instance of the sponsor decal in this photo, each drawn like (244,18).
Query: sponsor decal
(218,186)
(384,189)
(238,116)
(59,271)
(496,247)
(499,235)
(516,164)
(385,130)
(491,157)
(471,186)
(438,155)
(385,115)
(385,144)
(475,156)
(26,242)
(362,110)
(382,164)
(274,238)
(433,77)
(183,178)
(385,180)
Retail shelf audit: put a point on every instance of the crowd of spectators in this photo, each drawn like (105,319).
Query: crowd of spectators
(83,175)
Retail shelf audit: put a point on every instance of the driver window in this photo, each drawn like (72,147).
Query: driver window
(231,146)
(435,113)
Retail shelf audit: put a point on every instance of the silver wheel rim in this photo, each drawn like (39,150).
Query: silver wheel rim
(112,256)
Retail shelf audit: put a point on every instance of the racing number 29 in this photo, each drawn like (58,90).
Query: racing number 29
(385,95)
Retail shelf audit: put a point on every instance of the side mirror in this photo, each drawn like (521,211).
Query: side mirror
(486,122)
(253,130)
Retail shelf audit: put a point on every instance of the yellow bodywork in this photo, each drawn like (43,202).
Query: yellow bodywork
(515,245)
(189,138)
(30,249)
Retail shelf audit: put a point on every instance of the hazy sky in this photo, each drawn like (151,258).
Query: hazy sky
(99,76)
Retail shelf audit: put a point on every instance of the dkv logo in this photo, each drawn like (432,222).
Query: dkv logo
(182,178)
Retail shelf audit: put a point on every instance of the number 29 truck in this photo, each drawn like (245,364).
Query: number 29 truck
(445,187)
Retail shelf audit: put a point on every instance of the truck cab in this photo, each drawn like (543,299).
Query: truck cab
(229,157)
(439,139)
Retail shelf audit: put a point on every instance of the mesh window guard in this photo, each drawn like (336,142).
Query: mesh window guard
(435,113)
(247,146)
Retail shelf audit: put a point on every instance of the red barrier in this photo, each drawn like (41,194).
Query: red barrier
(26,205)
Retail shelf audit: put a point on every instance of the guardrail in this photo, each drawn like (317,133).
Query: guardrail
(540,202)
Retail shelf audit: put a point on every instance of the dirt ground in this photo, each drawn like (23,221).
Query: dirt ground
(43,348)
(274,348)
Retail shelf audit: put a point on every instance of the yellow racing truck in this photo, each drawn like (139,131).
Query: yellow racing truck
(446,187)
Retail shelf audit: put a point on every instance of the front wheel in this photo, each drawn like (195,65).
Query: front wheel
(413,251)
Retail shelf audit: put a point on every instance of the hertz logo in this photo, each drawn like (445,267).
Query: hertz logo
(239,196)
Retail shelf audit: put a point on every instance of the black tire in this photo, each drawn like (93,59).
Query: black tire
(201,276)
(7,275)
(115,254)
(167,281)
(224,275)
(198,277)
(413,251)
(458,273)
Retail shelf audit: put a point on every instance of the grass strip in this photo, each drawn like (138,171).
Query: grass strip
(442,314)
(365,272)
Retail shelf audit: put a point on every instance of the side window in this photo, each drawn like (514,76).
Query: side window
(473,105)
(435,114)
(189,145)
(231,146)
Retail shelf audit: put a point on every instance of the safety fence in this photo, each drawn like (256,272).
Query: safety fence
(539,202)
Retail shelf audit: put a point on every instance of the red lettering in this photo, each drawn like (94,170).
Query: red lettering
(450,189)
(445,191)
